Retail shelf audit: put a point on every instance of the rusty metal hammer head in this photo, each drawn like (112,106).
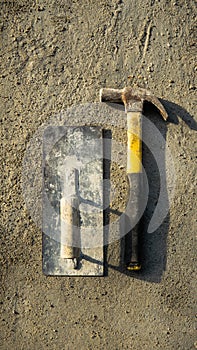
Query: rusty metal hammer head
(133,99)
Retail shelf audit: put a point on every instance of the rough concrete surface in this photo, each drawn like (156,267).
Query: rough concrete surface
(57,54)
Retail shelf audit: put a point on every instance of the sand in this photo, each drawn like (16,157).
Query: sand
(58,54)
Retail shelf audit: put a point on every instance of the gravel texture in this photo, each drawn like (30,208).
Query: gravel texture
(58,54)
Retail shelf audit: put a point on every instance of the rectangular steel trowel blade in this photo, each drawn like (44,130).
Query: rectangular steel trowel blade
(72,201)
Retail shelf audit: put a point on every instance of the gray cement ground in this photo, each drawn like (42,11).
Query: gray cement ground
(57,54)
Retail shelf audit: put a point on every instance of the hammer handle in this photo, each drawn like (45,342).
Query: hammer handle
(134,173)
(134,142)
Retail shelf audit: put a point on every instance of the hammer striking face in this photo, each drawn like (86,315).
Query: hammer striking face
(133,100)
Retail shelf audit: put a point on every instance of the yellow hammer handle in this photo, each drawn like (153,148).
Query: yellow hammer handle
(134,142)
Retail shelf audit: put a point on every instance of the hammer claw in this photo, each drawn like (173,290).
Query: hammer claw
(155,101)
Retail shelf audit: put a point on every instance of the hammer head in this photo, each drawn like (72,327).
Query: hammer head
(132,97)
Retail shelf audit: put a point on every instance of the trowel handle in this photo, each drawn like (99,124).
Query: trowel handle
(70,230)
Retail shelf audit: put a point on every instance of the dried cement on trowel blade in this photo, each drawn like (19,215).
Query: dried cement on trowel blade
(73,201)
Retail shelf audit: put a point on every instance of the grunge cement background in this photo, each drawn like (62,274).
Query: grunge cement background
(56,54)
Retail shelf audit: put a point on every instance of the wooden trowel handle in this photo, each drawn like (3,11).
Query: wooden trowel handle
(70,231)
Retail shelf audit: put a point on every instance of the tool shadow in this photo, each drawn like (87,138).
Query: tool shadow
(153,246)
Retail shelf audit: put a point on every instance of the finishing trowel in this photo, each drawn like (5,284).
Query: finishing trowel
(73,201)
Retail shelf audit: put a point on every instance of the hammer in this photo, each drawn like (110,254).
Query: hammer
(133,99)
